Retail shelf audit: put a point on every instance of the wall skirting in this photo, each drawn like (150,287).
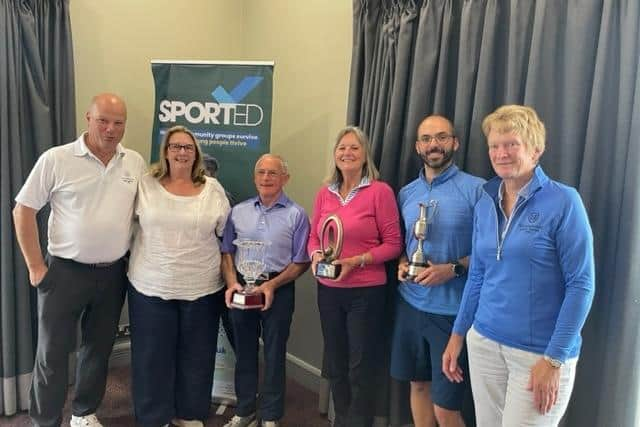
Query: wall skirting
(300,371)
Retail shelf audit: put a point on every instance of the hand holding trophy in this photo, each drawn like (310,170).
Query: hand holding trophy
(418,259)
(334,233)
(250,263)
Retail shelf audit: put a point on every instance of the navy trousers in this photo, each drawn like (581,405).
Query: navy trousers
(274,324)
(173,349)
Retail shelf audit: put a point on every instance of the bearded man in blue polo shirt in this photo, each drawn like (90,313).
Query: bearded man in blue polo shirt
(270,217)
(428,303)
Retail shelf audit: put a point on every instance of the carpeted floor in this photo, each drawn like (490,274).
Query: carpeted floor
(116,409)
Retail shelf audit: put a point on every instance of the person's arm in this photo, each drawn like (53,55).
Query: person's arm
(468,307)
(403,261)
(26,227)
(225,208)
(313,244)
(388,223)
(35,193)
(227,265)
(403,268)
(230,277)
(438,274)
(574,245)
(299,260)
(289,274)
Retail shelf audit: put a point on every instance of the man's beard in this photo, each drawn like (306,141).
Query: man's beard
(441,163)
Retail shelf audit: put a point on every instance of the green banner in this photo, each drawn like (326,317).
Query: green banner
(227,105)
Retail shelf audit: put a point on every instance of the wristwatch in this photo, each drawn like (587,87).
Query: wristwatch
(553,362)
(458,269)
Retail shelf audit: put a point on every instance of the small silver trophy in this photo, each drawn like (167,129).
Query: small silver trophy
(250,263)
(418,259)
(334,233)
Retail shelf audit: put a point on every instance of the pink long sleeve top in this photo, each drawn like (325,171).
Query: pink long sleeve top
(371,224)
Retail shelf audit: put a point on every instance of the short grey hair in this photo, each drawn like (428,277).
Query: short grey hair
(283,163)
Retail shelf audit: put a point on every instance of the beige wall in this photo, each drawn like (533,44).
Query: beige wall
(310,42)
(115,40)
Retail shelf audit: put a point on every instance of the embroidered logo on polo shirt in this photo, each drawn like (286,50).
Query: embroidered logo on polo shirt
(128,179)
(531,226)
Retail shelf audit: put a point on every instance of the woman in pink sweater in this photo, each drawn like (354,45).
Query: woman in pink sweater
(351,306)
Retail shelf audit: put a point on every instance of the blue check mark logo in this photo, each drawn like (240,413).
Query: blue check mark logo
(238,93)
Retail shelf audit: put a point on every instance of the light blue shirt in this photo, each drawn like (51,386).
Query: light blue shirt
(448,236)
(531,289)
(284,225)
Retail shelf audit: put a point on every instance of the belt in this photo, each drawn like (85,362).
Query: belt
(91,265)
(101,264)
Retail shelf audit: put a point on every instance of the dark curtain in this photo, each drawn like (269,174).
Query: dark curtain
(37,111)
(576,63)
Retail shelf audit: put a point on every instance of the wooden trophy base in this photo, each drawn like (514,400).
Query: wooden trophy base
(247,301)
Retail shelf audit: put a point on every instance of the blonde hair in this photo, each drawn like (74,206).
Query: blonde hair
(161,169)
(519,119)
(369,170)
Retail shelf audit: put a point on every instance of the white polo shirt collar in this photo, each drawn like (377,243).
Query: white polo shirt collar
(80,148)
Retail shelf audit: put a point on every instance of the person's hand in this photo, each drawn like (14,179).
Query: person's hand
(315,259)
(347,264)
(450,366)
(435,274)
(228,294)
(403,270)
(268,291)
(37,273)
(544,382)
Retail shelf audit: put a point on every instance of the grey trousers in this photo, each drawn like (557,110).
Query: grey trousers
(72,292)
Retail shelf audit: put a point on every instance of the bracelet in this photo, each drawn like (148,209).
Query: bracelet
(362,261)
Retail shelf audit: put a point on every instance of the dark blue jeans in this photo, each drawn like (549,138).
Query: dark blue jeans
(173,349)
(274,325)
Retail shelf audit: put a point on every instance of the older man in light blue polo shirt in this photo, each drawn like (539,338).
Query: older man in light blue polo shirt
(271,217)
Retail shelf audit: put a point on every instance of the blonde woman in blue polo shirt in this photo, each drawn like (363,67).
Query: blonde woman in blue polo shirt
(530,285)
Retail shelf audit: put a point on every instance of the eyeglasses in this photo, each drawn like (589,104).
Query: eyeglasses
(189,148)
(441,138)
(269,173)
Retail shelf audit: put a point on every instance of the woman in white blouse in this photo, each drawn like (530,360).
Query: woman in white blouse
(176,291)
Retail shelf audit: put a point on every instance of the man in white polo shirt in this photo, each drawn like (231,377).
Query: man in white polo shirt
(91,185)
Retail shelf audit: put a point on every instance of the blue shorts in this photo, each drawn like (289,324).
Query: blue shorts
(419,339)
